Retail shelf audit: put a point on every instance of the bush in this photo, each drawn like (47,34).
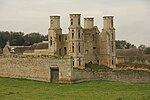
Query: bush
(96,67)
(147,50)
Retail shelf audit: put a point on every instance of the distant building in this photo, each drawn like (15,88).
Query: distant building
(37,49)
(8,50)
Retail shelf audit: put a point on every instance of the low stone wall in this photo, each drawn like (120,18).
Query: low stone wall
(116,75)
(38,68)
(132,76)
(35,68)
(28,68)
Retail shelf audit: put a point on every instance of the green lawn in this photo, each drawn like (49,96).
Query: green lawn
(18,89)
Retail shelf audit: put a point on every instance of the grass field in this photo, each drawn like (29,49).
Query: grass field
(18,89)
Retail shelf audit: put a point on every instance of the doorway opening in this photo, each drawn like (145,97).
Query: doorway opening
(54,74)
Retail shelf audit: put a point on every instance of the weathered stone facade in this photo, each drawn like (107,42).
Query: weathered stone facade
(83,45)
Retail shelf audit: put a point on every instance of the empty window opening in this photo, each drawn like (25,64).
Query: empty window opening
(93,37)
(72,47)
(79,21)
(60,38)
(65,37)
(51,41)
(65,50)
(112,62)
(79,36)
(94,48)
(59,51)
(79,48)
(72,62)
(79,62)
(112,47)
(98,61)
(71,21)
(72,34)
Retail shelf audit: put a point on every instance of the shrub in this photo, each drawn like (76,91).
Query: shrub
(96,67)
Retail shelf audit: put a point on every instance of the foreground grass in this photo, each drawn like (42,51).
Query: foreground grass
(18,89)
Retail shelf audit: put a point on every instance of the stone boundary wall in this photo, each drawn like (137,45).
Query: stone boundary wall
(38,68)
(33,67)
(137,59)
(116,75)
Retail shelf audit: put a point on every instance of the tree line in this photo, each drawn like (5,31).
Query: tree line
(20,38)
(122,44)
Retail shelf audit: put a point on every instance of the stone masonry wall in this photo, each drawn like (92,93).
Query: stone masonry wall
(38,68)
(35,68)
(117,75)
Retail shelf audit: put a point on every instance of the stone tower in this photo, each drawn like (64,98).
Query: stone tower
(55,36)
(107,48)
(88,22)
(91,41)
(75,41)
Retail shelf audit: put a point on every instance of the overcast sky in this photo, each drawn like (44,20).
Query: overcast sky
(131,17)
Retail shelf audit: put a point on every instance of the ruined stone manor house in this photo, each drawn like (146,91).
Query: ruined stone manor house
(83,44)
(66,54)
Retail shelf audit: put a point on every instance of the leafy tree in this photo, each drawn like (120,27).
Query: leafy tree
(122,44)
(19,39)
(32,38)
(16,38)
(4,37)
(147,50)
